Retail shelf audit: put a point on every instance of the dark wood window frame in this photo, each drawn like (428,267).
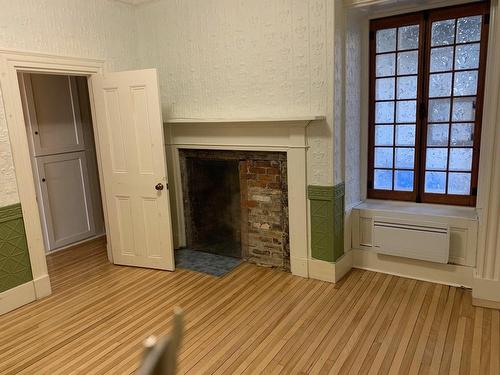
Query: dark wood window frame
(425,19)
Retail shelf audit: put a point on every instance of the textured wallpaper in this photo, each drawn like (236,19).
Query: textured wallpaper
(353,110)
(216,58)
(82,28)
(8,187)
(242,58)
(102,29)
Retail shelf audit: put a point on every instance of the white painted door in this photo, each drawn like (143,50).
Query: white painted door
(132,150)
(66,199)
(53,111)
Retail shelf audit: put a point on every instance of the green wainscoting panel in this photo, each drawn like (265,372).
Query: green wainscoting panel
(15,268)
(338,220)
(327,221)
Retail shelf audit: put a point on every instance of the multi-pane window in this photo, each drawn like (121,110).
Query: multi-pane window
(426,86)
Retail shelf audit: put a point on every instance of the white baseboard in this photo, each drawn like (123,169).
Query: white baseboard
(343,265)
(299,267)
(448,274)
(486,303)
(321,270)
(42,286)
(486,293)
(329,271)
(16,297)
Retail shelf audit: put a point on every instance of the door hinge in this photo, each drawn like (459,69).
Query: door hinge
(372,35)
(473,191)
(370,184)
(486,19)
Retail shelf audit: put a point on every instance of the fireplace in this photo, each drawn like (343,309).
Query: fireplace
(236,204)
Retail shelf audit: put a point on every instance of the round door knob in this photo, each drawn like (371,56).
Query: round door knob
(159,186)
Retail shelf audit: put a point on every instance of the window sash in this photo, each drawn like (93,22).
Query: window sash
(425,20)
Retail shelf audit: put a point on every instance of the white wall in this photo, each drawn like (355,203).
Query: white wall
(100,29)
(243,58)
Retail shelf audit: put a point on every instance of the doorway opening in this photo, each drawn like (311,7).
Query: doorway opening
(59,127)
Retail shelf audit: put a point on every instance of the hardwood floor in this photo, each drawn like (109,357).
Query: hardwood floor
(253,320)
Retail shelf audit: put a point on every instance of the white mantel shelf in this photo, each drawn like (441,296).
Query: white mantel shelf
(264,120)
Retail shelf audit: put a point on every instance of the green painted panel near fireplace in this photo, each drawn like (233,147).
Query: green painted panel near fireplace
(327,221)
(338,220)
(15,268)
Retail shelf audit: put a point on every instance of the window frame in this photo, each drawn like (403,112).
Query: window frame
(425,19)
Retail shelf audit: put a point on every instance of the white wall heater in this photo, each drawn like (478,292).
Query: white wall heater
(428,241)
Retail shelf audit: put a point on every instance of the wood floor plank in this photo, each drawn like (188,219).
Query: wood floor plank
(486,342)
(393,330)
(495,343)
(441,337)
(252,320)
(335,332)
(476,342)
(361,327)
(397,361)
(458,347)
(449,343)
(290,352)
(354,364)
(424,336)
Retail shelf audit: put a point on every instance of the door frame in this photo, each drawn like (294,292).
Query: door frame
(12,62)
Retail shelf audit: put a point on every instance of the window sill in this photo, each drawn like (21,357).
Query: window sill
(468,213)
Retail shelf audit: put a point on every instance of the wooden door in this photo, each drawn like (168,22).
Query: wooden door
(132,150)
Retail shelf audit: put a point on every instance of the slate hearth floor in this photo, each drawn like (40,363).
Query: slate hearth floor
(200,261)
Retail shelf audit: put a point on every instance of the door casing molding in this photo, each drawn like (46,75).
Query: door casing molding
(12,62)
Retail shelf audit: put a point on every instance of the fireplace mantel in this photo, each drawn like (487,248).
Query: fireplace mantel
(259,134)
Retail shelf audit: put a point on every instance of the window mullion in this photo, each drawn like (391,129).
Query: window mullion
(421,135)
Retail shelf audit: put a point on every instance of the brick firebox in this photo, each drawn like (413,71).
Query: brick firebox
(255,220)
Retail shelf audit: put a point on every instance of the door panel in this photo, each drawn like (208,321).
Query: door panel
(142,129)
(66,200)
(125,225)
(130,130)
(113,114)
(54,114)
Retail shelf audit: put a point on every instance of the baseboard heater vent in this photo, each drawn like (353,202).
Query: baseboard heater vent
(417,240)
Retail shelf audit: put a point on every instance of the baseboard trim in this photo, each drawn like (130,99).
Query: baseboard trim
(298,267)
(321,270)
(42,286)
(486,303)
(329,271)
(343,265)
(16,297)
(486,293)
(448,274)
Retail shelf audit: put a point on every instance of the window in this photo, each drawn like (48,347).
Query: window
(426,97)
